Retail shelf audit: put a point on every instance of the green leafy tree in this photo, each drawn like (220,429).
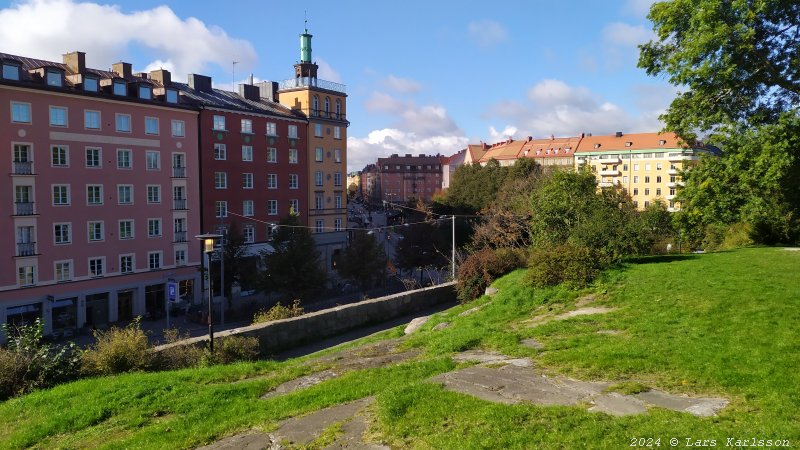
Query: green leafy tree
(239,267)
(474,187)
(363,261)
(293,268)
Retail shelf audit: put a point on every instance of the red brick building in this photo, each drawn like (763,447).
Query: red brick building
(407,178)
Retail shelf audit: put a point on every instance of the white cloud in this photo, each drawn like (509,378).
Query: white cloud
(326,72)
(508,131)
(487,33)
(619,33)
(49,28)
(384,103)
(402,85)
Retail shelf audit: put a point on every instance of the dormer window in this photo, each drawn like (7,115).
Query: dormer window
(172,96)
(90,84)
(145,92)
(596,145)
(628,144)
(662,142)
(10,71)
(54,78)
(120,88)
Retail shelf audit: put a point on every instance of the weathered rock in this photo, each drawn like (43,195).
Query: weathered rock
(441,326)
(304,429)
(539,320)
(415,324)
(302,383)
(532,343)
(250,440)
(617,404)
(469,311)
(487,357)
(490,291)
(701,407)
(610,332)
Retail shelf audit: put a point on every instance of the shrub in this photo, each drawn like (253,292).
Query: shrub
(179,356)
(117,350)
(726,237)
(236,348)
(478,271)
(573,265)
(279,312)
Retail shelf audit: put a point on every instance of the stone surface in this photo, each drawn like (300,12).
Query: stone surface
(617,404)
(304,429)
(302,383)
(701,407)
(250,440)
(488,357)
(585,311)
(415,324)
(490,291)
(532,343)
(473,310)
(610,332)
(441,326)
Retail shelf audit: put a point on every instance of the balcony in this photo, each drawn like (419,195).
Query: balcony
(23,168)
(605,159)
(610,173)
(23,209)
(179,203)
(26,248)
(605,184)
(677,157)
(327,114)
(293,83)
(179,172)
(673,171)
(180,236)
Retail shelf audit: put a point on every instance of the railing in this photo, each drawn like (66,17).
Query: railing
(23,208)
(327,114)
(180,236)
(311,82)
(179,172)
(26,248)
(179,203)
(23,167)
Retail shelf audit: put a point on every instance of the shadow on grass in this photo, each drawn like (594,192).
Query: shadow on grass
(660,259)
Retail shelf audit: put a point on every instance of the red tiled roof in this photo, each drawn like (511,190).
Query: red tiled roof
(550,148)
(635,141)
(503,150)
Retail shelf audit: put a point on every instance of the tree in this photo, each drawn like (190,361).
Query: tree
(422,241)
(363,261)
(293,268)
(737,61)
(239,268)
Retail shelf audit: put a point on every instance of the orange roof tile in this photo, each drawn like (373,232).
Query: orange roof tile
(635,141)
(503,150)
(550,148)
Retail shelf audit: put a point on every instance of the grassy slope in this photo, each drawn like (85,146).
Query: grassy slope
(718,324)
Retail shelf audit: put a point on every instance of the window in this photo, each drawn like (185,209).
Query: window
(61,194)
(247,181)
(293,181)
(625,167)
(94,194)
(272,155)
(292,156)
(220,180)
(272,129)
(337,201)
(123,122)
(249,234)
(153,227)
(63,271)
(54,78)
(337,224)
(126,229)
(93,157)
(293,131)
(10,71)
(635,167)
(247,153)
(635,191)
(90,84)
(219,123)
(320,225)
(338,108)
(125,194)
(672,178)
(318,154)
(646,203)
(272,181)
(178,128)
(247,126)
(145,92)
(337,155)
(624,180)
(172,96)
(658,191)
(59,156)
(319,201)
(180,257)
(126,264)
(153,194)
(658,179)
(646,191)
(646,179)
(247,208)
(318,129)
(671,191)
(337,133)
(120,88)
(151,125)
(20,112)
(318,178)
(154,260)
(221,208)
(647,167)
(25,276)
(62,233)
(153,160)
(272,207)
(337,178)
(327,104)
(96,267)
(123,158)
(95,231)
(220,152)
(91,120)
(58,116)
(659,166)
(636,179)
(315,106)
(635,204)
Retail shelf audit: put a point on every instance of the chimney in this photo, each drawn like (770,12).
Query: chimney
(76,61)
(268,90)
(162,76)
(200,83)
(530,138)
(122,69)
(618,134)
(250,92)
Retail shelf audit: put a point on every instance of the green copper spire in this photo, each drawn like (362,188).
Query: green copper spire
(305,45)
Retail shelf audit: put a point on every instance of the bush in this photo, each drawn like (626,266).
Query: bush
(727,237)
(478,271)
(279,312)
(573,265)
(179,356)
(236,348)
(117,350)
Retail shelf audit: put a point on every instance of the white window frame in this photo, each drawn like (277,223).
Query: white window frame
(247,153)
(272,129)
(178,128)
(95,231)
(248,208)
(128,158)
(220,152)
(149,122)
(157,257)
(272,181)
(219,123)
(272,207)
(99,192)
(18,108)
(221,208)
(126,232)
(59,116)
(153,194)
(294,182)
(293,156)
(272,155)
(101,260)
(247,126)
(220,180)
(125,260)
(95,161)
(155,228)
(59,274)
(153,156)
(61,149)
(121,188)
(293,131)
(121,121)
(59,238)
(66,188)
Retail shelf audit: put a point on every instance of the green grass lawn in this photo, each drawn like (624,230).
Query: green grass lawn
(723,324)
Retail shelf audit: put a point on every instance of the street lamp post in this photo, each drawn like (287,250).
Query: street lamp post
(453,256)
(208,248)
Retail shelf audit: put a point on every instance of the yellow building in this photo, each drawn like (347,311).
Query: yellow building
(646,165)
(324,103)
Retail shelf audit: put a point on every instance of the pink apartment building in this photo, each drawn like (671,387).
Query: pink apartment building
(101,198)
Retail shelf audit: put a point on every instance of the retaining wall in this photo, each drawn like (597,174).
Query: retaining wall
(283,334)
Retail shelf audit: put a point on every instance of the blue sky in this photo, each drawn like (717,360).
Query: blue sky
(421,76)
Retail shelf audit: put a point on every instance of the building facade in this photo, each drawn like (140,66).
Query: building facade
(324,103)
(407,178)
(103,193)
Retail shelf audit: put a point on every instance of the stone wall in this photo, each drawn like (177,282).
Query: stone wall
(282,334)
